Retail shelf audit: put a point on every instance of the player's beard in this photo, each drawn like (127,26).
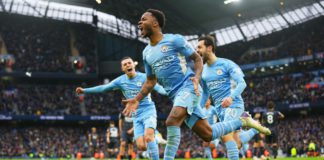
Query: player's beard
(205,57)
(148,32)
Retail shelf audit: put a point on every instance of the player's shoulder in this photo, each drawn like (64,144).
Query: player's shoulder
(121,78)
(141,74)
(173,37)
(226,61)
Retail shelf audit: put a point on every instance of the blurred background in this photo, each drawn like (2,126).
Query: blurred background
(49,47)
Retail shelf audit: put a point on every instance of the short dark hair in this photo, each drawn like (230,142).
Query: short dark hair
(159,16)
(208,41)
(127,57)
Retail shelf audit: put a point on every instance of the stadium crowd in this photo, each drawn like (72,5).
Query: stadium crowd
(45,45)
(66,141)
(285,89)
(62,99)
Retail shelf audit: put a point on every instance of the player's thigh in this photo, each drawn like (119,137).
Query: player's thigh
(232,113)
(176,117)
(150,124)
(139,128)
(237,139)
(184,104)
(203,129)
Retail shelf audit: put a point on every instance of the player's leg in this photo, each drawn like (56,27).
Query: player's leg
(150,124)
(256,148)
(110,149)
(207,150)
(139,134)
(232,139)
(122,147)
(115,150)
(173,123)
(208,132)
(274,145)
(246,135)
(130,150)
(261,153)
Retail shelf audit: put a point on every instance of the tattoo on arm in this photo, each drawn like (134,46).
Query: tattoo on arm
(198,64)
(148,85)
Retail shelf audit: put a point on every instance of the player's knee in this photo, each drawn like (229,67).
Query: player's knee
(149,138)
(141,147)
(170,122)
(123,143)
(207,138)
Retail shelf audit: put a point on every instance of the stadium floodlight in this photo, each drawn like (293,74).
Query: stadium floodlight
(230,1)
(98,1)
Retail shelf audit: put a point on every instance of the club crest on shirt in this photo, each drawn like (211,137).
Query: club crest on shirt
(164,49)
(139,84)
(219,72)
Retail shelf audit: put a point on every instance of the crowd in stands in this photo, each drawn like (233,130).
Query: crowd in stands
(28,99)
(299,132)
(41,45)
(286,89)
(66,141)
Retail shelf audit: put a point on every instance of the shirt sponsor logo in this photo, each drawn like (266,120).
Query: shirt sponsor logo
(215,83)
(165,61)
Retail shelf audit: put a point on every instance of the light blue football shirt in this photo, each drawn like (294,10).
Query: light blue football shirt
(130,87)
(167,61)
(223,79)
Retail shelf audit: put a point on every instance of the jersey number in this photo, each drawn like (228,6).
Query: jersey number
(270,119)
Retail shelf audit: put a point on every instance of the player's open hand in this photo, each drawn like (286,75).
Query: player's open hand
(131,106)
(226,102)
(195,82)
(79,90)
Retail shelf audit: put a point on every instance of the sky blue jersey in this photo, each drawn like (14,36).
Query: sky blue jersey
(223,79)
(130,88)
(167,61)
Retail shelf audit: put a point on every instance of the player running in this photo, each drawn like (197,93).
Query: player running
(144,119)
(164,60)
(217,78)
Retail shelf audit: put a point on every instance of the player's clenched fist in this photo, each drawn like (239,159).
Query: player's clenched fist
(79,90)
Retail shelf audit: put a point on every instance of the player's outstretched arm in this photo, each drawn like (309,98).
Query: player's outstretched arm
(98,89)
(132,104)
(198,66)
